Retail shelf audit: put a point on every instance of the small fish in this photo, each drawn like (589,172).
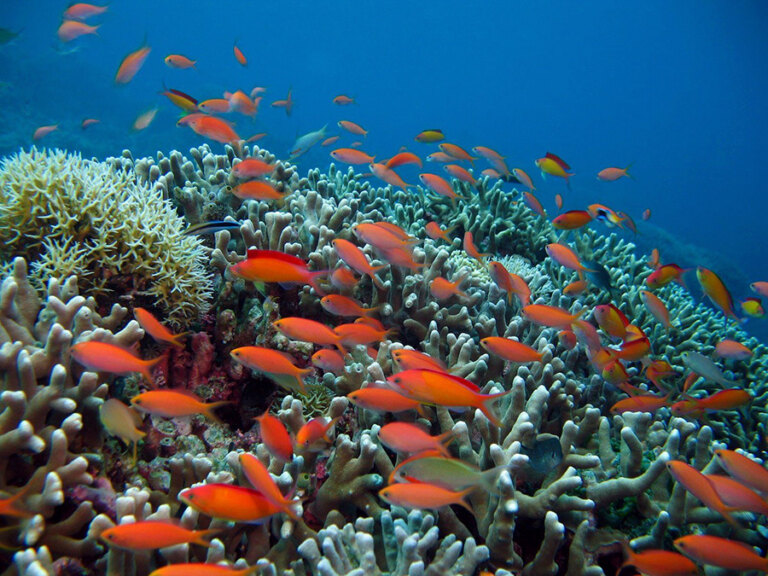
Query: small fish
(697,484)
(646,403)
(307,141)
(179,61)
(512,284)
(549,166)
(656,307)
(606,215)
(329,360)
(523,178)
(252,168)
(262,266)
(572,220)
(544,454)
(429,136)
(559,201)
(104,357)
(705,368)
(732,350)
(44,131)
(744,469)
(471,249)
(611,320)
(402,159)
(257,474)
(227,502)
(551,316)
(434,231)
(659,563)
(422,495)
(729,399)
(414,360)
(313,436)
(456,152)
(444,289)
(215,106)
(647,214)
(760,288)
(734,493)
(211,227)
(564,256)
(439,186)
(121,421)
(407,438)
(612,174)
(88,122)
(7,35)
(721,552)
(362,333)
(239,56)
(175,404)
(180,99)
(343,100)
(567,339)
(533,203)
(440,157)
(657,370)
(510,350)
(154,534)
(307,330)
(13,506)
(663,275)
(83,11)
(343,278)
(257,190)
(71,29)
(494,158)
(275,436)
(575,288)
(213,128)
(144,119)
(357,260)
(752,307)
(339,305)
(279,366)
(352,128)
(491,173)
(351,156)
(202,569)
(388,175)
(131,64)
(154,328)
(240,102)
(449,473)
(715,289)
(328,141)
(382,400)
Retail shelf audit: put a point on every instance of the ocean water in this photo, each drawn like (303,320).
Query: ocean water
(675,89)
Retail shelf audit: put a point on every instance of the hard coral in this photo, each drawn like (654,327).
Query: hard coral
(70,216)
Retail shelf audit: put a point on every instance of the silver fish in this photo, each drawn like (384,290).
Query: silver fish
(304,143)
(212,227)
(706,368)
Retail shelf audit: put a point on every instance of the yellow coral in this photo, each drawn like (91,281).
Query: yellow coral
(70,216)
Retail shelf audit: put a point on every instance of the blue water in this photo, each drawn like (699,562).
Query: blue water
(676,88)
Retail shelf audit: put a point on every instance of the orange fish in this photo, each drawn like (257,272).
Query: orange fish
(657,370)
(12,506)
(734,493)
(361,334)
(456,152)
(715,289)
(240,102)
(572,220)
(175,404)
(382,235)
(240,56)
(551,316)
(357,260)
(647,214)
(275,437)
(131,64)
(436,233)
(494,158)
(215,106)
(440,186)
(744,469)
(104,357)
(403,158)
(328,141)
(313,436)
(729,399)
(614,373)
(144,119)
(510,350)
(611,320)
(443,289)
(258,476)
(273,266)
(407,438)
(339,305)
(213,128)
(720,552)
(697,484)
(401,257)
(471,249)
(279,366)
(154,534)
(352,128)
(760,288)
(612,174)
(440,157)
(83,11)
(440,389)
(71,29)
(388,175)
(523,178)
(752,307)
(429,136)
(663,275)
(659,563)
(490,173)
(179,61)
(566,257)
(351,156)
(201,569)
(559,201)
(343,278)
(460,173)
(44,131)
(257,190)
(89,122)
(654,261)
(533,203)
(227,502)
(575,288)
(382,400)
(732,350)
(646,403)
(343,100)
(309,331)
(251,168)
(423,495)
(329,360)
(657,308)
(512,284)
(567,339)
(414,360)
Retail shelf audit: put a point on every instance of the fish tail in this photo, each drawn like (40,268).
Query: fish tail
(148,366)
(313,281)
(463,500)
(178,340)
(201,535)
(375,279)
(488,409)
(209,410)
(340,347)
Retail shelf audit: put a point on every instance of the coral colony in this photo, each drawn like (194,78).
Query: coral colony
(313,385)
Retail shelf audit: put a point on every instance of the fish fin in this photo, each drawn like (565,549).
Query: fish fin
(209,410)
(200,536)
(149,365)
(464,502)
(177,340)
(486,407)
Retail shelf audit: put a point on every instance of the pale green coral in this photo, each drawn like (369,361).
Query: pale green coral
(70,216)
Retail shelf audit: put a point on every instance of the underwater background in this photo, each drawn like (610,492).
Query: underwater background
(612,411)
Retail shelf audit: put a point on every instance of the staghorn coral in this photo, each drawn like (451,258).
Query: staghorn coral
(71,216)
